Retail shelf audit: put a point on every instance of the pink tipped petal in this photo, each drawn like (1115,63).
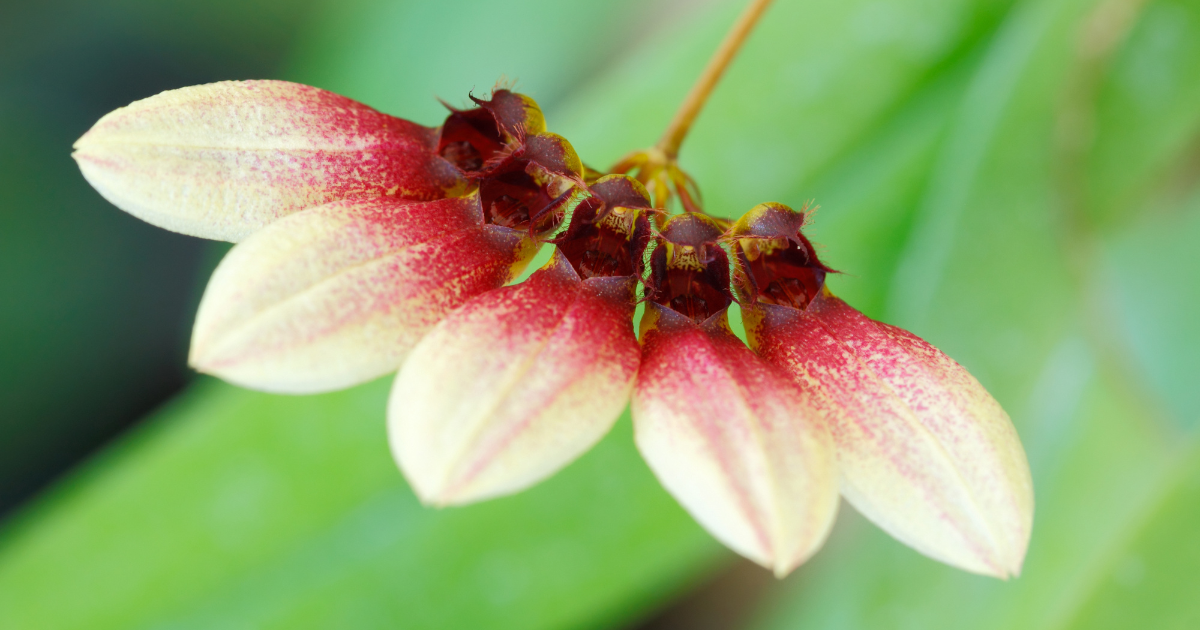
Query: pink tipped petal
(924,451)
(222,160)
(338,294)
(514,385)
(730,438)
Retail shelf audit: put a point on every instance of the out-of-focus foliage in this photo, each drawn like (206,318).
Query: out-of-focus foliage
(1017,182)
(1062,275)
(312,525)
(241,509)
(95,304)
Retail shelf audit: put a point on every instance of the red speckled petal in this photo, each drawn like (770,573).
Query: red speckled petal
(730,438)
(338,294)
(514,385)
(222,160)
(924,451)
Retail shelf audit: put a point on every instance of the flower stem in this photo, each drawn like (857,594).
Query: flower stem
(682,123)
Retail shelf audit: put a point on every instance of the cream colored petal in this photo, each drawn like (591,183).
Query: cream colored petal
(728,436)
(514,385)
(222,160)
(924,451)
(338,294)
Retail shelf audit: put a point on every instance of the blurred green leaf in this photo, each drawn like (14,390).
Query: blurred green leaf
(1085,336)
(97,303)
(240,509)
(838,102)
(815,81)
(1152,267)
(1140,584)
(402,56)
(1147,113)
(867,196)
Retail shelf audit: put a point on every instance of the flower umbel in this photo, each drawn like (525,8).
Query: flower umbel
(367,244)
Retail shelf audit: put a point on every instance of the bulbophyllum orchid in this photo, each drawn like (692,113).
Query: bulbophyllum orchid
(368,244)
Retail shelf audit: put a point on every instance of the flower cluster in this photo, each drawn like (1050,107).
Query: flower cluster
(368,244)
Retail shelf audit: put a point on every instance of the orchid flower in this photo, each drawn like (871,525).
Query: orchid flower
(367,244)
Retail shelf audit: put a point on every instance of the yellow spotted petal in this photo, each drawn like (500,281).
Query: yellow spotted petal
(514,385)
(222,160)
(338,294)
(731,439)
(924,451)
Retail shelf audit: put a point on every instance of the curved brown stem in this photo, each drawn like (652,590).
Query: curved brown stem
(682,122)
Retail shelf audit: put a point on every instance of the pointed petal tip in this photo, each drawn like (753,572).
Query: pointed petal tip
(81,141)
(198,359)
(1003,564)
(255,377)
(783,566)
(441,492)
(1003,572)
(428,497)
(87,139)
(1013,573)
(1011,569)
(443,499)
(204,364)
(198,366)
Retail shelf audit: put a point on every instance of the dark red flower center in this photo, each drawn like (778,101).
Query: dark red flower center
(470,138)
(528,179)
(783,271)
(513,199)
(687,269)
(606,239)
(604,248)
(778,264)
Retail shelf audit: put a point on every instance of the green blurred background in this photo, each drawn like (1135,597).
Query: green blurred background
(1018,182)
